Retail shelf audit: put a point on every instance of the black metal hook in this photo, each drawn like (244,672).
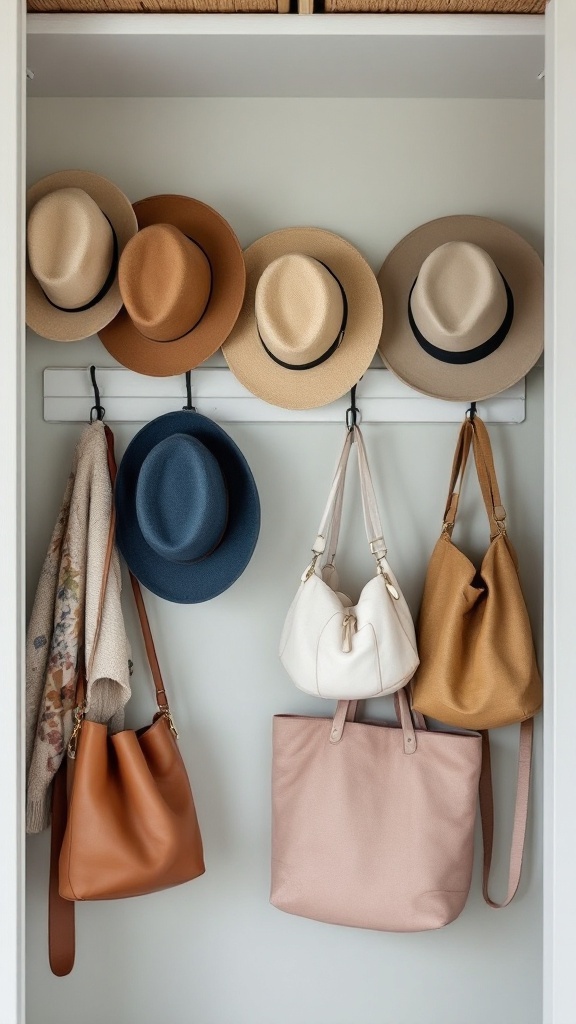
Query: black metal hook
(352,411)
(97,411)
(189,407)
(471,412)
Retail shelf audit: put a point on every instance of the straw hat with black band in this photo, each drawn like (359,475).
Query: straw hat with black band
(464,308)
(310,322)
(182,280)
(78,224)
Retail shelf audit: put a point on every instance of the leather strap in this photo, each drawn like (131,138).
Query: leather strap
(345,712)
(161,697)
(328,532)
(329,528)
(369,504)
(457,475)
(520,814)
(484,460)
(61,924)
(473,432)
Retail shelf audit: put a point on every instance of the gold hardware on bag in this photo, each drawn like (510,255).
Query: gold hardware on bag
(349,626)
(310,569)
(167,714)
(389,585)
(79,713)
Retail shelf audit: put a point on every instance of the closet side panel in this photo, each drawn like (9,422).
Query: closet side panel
(215,951)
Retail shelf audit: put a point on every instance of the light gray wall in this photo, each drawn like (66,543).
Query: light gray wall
(214,951)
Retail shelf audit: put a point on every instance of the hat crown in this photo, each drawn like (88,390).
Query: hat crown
(181,499)
(165,281)
(299,308)
(70,247)
(459,299)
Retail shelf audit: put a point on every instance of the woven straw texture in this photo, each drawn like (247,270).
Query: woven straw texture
(157,6)
(437,6)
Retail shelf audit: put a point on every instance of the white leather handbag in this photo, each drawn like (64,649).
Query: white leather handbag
(330,647)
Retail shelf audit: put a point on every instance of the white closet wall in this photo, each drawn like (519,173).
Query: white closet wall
(214,951)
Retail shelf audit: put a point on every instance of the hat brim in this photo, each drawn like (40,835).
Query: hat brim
(322,384)
(189,583)
(66,325)
(522,267)
(206,227)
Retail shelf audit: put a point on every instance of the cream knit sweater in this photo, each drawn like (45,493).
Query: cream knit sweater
(64,620)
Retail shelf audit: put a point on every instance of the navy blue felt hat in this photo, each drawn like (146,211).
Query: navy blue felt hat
(188,512)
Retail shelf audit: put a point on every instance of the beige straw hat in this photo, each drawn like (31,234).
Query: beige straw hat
(464,308)
(77,226)
(311,319)
(182,279)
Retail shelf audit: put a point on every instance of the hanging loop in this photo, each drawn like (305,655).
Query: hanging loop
(471,412)
(352,412)
(97,411)
(189,407)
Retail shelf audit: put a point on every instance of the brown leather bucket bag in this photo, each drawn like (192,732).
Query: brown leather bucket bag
(124,821)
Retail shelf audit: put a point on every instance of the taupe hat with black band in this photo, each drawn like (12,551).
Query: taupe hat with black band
(182,280)
(78,224)
(464,308)
(310,322)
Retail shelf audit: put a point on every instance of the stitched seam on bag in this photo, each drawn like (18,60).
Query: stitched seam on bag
(374,650)
(69,825)
(401,624)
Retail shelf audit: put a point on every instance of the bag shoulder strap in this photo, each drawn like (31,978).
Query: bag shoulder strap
(457,474)
(326,542)
(520,813)
(161,697)
(473,432)
(484,460)
(61,918)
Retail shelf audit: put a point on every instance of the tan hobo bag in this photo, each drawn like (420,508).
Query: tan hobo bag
(478,667)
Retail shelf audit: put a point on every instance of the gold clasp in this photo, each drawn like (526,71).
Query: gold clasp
(167,714)
(388,583)
(310,569)
(79,713)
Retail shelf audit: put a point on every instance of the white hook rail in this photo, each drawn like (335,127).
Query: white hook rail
(130,397)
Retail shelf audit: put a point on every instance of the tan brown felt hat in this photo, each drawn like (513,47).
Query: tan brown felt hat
(311,319)
(78,224)
(182,280)
(464,308)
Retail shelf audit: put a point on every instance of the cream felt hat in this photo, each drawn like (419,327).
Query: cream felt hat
(310,322)
(464,308)
(78,224)
(182,279)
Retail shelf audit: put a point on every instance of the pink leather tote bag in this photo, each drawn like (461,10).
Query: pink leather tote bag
(372,824)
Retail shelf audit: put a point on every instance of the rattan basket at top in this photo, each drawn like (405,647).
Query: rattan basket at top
(284,6)
(423,6)
(158,6)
